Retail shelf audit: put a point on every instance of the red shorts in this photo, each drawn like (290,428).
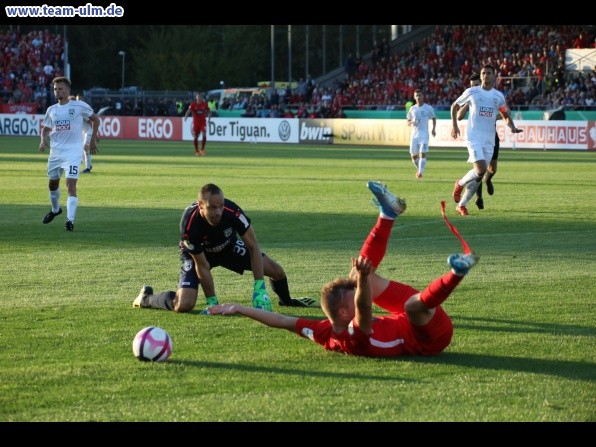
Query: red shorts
(434,336)
(198,128)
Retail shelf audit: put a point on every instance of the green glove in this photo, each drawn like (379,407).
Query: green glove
(260,297)
(212,300)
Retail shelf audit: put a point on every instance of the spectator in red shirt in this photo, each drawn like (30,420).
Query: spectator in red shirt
(581,41)
(302,112)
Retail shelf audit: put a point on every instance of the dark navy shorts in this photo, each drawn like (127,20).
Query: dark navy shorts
(237,260)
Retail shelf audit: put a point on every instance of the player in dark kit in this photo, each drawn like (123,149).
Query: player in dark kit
(215,231)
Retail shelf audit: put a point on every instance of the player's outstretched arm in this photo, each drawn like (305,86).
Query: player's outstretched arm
(268,318)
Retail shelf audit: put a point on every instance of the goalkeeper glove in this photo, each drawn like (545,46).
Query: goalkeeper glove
(211,301)
(260,297)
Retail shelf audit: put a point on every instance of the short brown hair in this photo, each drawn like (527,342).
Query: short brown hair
(209,189)
(332,294)
(62,79)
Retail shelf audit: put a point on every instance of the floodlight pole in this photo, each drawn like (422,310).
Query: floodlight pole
(123,54)
(273,56)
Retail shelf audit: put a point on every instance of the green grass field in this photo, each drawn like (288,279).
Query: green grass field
(524,346)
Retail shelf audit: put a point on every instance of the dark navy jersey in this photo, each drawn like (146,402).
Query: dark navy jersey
(197,236)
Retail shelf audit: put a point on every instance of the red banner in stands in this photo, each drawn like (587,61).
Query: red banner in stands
(19,108)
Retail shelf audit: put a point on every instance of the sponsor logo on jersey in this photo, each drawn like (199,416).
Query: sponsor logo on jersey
(62,125)
(486,111)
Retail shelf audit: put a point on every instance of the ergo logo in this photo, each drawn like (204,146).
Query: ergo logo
(155,128)
(109,126)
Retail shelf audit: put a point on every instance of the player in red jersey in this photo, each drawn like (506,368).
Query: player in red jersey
(416,324)
(201,115)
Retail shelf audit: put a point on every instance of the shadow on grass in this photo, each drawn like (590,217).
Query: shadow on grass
(287,371)
(571,370)
(149,227)
(563,368)
(500,325)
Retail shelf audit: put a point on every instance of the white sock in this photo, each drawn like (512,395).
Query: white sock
(422,165)
(471,189)
(470,175)
(55,200)
(71,207)
(415,162)
(88,161)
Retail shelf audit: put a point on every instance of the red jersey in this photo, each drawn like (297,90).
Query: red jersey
(392,336)
(199,111)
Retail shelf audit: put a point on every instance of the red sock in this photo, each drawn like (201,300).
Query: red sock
(375,245)
(196,143)
(438,290)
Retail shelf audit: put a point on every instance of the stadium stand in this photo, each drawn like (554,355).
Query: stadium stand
(530,60)
(29,63)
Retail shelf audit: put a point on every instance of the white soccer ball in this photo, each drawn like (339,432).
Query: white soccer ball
(152,344)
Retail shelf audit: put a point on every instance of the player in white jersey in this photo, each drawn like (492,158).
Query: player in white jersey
(418,117)
(485,103)
(62,131)
(491,169)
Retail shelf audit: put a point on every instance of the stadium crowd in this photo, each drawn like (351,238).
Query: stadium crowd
(530,61)
(29,63)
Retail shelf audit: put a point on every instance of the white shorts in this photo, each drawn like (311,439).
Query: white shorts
(418,145)
(68,165)
(480,151)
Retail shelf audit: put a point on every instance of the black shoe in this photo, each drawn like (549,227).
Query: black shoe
(480,203)
(69,225)
(50,216)
(490,189)
(86,171)
(300,302)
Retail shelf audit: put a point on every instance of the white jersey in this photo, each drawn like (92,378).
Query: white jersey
(419,116)
(483,112)
(66,124)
